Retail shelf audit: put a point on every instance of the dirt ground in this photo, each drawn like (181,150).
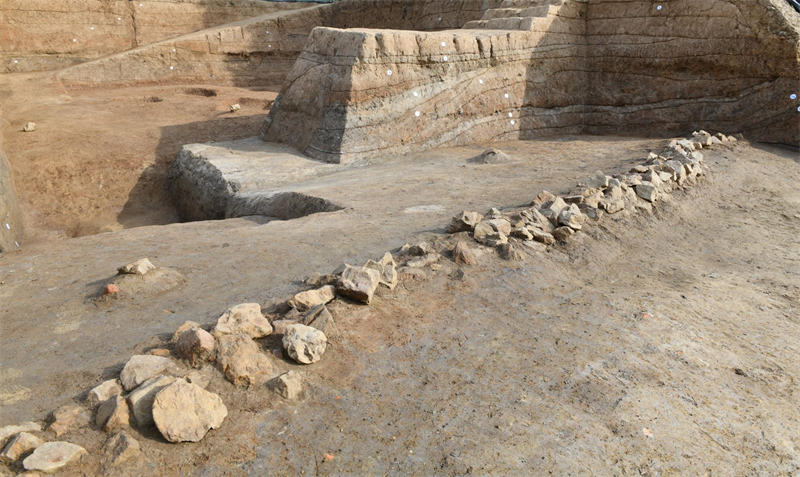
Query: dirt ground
(652,344)
(97,160)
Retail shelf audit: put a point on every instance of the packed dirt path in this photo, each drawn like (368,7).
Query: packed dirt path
(651,344)
(98,158)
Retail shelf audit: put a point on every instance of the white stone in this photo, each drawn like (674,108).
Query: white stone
(304,344)
(142,367)
(52,456)
(139,267)
(245,318)
(184,412)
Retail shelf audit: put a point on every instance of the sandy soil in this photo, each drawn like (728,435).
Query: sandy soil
(653,344)
(97,160)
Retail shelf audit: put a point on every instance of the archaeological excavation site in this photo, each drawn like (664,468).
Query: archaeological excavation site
(400,238)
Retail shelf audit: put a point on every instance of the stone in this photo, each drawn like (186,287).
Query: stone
(288,385)
(553,209)
(358,283)
(542,237)
(563,233)
(538,219)
(420,249)
(121,448)
(647,191)
(8,431)
(543,198)
(68,418)
(141,400)
(304,344)
(500,225)
(113,414)
(140,368)
(29,127)
(612,206)
(320,318)
(721,137)
(196,346)
(279,326)
(598,180)
(103,392)
(200,377)
(715,140)
(653,178)
(242,361)
(464,222)
(664,176)
(462,255)
(316,280)
(509,252)
(572,217)
(52,456)
(235,107)
(184,412)
(19,445)
(686,144)
(481,231)
(613,192)
(110,289)
(163,352)
(415,274)
(590,211)
(186,326)
(675,168)
(639,169)
(592,197)
(245,318)
(494,213)
(139,267)
(388,274)
(424,261)
(633,179)
(311,298)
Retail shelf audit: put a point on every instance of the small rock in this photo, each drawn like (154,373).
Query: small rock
(537,219)
(52,456)
(664,176)
(598,180)
(140,368)
(388,274)
(235,107)
(242,361)
(553,209)
(245,318)
(68,418)
(288,385)
(184,412)
(304,344)
(121,448)
(590,211)
(186,326)
(139,267)
(196,346)
(8,431)
(200,378)
(652,177)
(424,261)
(500,225)
(509,252)
(141,400)
(19,445)
(464,222)
(311,298)
(542,237)
(612,206)
(103,392)
(572,217)
(721,137)
(647,191)
(494,213)
(29,127)
(358,283)
(316,280)
(563,233)
(320,318)
(462,255)
(416,274)
(420,249)
(110,289)
(543,198)
(279,326)
(113,414)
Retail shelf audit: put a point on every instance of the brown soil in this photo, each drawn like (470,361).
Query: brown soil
(97,160)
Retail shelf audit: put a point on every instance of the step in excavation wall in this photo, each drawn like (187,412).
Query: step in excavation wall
(594,66)
(261,51)
(40,35)
(11,232)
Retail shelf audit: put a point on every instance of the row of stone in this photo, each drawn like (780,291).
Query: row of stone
(551,218)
